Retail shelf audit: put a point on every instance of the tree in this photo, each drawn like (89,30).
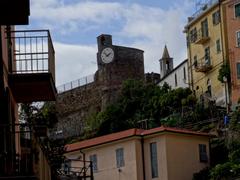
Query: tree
(138,101)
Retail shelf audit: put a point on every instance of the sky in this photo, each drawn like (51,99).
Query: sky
(142,24)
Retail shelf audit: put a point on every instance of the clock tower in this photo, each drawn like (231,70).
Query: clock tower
(115,65)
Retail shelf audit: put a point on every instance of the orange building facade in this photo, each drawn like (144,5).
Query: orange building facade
(232,33)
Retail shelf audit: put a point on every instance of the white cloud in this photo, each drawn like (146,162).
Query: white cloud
(74,61)
(144,27)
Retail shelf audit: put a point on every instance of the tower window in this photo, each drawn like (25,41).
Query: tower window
(176,80)
(184,73)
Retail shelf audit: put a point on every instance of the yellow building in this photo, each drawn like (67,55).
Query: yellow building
(135,154)
(206,52)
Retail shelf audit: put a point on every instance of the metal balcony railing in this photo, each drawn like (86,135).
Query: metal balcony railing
(201,36)
(202,8)
(203,64)
(75,168)
(33,52)
(77,83)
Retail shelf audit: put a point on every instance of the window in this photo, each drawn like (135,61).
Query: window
(218,46)
(209,88)
(184,73)
(238,70)
(203,153)
(154,160)
(175,79)
(237,10)
(238,38)
(204,26)
(120,157)
(216,17)
(93,159)
(207,56)
(193,35)
(195,63)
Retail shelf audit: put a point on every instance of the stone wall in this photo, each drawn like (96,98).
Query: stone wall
(76,105)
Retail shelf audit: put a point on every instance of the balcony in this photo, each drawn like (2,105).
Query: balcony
(202,36)
(203,65)
(32,75)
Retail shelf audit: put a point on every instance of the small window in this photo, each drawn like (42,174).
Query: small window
(218,46)
(193,35)
(120,157)
(176,80)
(204,28)
(238,70)
(184,73)
(237,10)
(238,38)
(207,56)
(216,17)
(93,159)
(195,63)
(203,153)
(154,159)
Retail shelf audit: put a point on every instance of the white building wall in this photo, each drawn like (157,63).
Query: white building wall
(179,72)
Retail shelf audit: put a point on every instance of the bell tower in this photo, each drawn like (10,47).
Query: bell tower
(166,63)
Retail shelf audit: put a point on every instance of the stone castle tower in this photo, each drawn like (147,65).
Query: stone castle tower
(166,63)
(115,65)
(122,63)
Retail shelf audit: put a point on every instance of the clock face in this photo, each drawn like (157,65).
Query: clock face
(107,55)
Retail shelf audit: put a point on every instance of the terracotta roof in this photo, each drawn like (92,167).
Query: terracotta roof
(126,134)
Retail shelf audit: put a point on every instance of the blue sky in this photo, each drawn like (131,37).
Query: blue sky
(143,24)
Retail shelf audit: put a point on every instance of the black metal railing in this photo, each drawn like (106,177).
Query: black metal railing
(203,64)
(33,52)
(76,83)
(76,168)
(203,7)
(18,160)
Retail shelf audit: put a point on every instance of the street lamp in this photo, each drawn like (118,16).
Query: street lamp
(226,97)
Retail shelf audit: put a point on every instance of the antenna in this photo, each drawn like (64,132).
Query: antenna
(200,4)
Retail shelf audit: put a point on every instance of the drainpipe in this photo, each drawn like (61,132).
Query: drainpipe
(1,64)
(190,64)
(143,158)
(224,56)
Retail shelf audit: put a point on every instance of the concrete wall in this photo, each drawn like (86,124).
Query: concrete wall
(183,156)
